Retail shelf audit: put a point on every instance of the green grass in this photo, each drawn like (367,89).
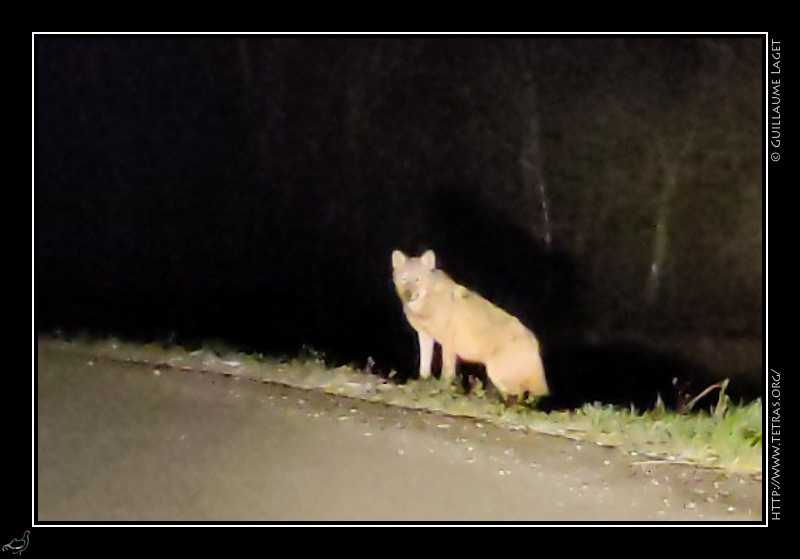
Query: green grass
(728,437)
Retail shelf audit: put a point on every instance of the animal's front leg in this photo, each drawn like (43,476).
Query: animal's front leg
(425,355)
(448,364)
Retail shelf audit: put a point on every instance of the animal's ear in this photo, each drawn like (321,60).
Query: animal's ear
(429,259)
(398,259)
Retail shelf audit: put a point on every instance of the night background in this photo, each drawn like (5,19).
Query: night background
(606,191)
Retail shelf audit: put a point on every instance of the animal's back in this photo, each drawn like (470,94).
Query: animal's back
(485,333)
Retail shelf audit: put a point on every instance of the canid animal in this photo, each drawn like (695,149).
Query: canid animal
(467,326)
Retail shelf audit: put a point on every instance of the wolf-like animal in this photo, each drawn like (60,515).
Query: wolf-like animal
(467,326)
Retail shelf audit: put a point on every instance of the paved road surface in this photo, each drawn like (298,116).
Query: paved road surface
(121,442)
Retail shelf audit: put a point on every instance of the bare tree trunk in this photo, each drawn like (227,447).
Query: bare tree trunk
(530,151)
(661,236)
(532,177)
(548,237)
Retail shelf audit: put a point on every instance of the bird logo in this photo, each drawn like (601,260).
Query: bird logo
(17,545)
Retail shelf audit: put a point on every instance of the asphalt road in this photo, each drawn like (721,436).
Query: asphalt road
(122,442)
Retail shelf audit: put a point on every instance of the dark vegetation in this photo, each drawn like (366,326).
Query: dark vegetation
(608,191)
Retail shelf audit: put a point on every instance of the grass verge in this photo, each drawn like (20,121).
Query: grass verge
(728,438)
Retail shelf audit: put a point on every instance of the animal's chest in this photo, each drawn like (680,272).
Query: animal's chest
(432,318)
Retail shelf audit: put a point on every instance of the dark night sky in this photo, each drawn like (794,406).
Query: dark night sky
(252,189)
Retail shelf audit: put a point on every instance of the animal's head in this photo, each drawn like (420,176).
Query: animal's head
(412,275)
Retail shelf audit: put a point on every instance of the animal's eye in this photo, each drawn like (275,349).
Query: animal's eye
(404,278)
